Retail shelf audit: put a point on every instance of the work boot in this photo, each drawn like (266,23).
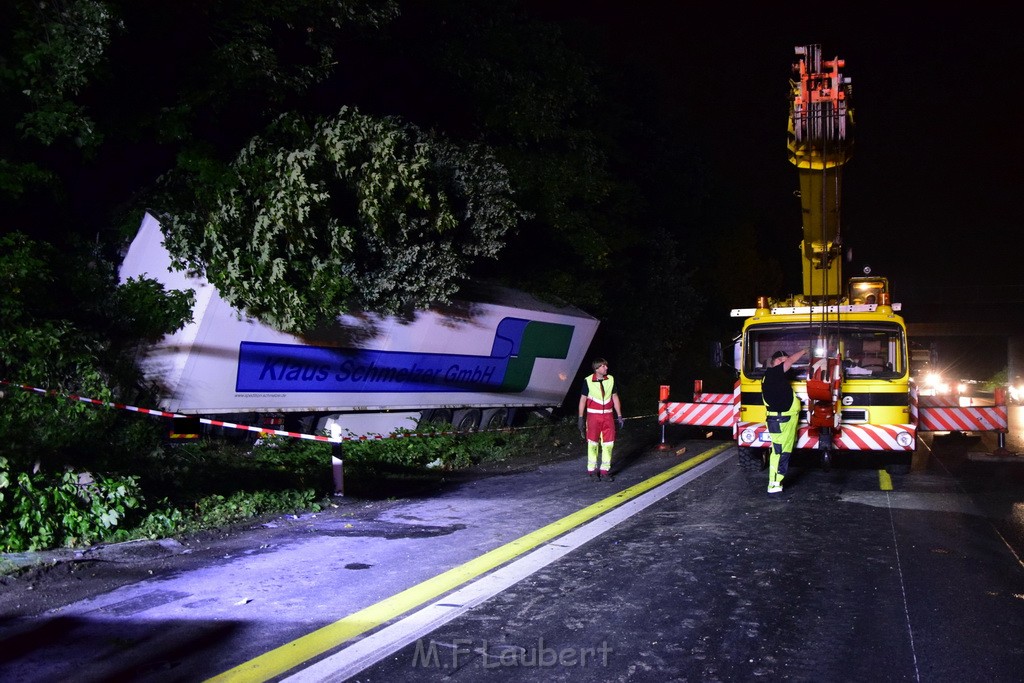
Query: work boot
(775,487)
(592,475)
(606,476)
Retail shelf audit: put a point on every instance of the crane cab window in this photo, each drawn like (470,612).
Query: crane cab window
(868,350)
(763,341)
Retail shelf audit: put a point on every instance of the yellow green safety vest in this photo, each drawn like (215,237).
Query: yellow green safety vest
(599,394)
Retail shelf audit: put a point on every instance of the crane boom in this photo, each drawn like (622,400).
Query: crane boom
(820,143)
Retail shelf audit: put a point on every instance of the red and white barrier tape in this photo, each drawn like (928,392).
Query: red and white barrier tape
(252,428)
(228,425)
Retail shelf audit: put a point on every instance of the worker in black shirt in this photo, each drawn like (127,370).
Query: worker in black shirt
(783,408)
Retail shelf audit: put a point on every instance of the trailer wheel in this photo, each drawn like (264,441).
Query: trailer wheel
(494,419)
(467,420)
(753,459)
(437,416)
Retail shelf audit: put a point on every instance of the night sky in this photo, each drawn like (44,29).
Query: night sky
(930,195)
(931,192)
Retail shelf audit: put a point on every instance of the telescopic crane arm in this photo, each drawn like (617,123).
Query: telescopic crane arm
(820,143)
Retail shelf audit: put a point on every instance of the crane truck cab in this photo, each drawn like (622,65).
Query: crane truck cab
(854,385)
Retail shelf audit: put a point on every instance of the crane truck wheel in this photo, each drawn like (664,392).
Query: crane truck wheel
(900,464)
(753,459)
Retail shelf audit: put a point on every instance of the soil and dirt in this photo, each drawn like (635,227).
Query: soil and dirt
(52,579)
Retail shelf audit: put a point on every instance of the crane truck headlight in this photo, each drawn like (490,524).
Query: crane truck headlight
(904,439)
(748,435)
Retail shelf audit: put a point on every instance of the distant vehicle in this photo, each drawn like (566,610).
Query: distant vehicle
(1015,391)
(925,372)
(470,364)
(932,383)
(968,387)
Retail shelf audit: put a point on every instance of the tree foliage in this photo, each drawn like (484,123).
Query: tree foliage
(352,211)
(101,96)
(68,330)
(49,53)
(58,46)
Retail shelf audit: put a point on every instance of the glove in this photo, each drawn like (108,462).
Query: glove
(620,422)
(581,422)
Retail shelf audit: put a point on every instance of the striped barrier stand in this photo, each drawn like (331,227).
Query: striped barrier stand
(945,414)
(706,410)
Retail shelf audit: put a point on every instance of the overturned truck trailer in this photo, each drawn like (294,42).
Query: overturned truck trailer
(471,364)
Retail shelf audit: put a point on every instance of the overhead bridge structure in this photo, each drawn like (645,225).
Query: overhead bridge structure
(1011,330)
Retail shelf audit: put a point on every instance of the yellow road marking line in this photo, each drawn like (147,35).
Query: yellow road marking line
(884,481)
(288,656)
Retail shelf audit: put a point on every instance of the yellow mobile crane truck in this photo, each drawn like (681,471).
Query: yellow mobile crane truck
(859,399)
(855,384)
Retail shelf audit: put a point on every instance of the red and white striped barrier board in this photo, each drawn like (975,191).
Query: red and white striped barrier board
(697,414)
(862,437)
(713,398)
(865,437)
(707,410)
(945,414)
(962,418)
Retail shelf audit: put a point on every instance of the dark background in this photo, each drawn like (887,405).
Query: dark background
(930,194)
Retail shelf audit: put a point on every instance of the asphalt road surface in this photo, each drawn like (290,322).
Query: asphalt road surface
(683,568)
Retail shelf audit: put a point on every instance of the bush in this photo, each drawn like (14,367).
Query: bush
(216,511)
(443,449)
(40,510)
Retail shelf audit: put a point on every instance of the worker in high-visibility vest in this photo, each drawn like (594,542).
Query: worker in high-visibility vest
(599,411)
(783,410)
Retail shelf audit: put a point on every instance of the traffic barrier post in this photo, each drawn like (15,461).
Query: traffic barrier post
(662,397)
(338,469)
